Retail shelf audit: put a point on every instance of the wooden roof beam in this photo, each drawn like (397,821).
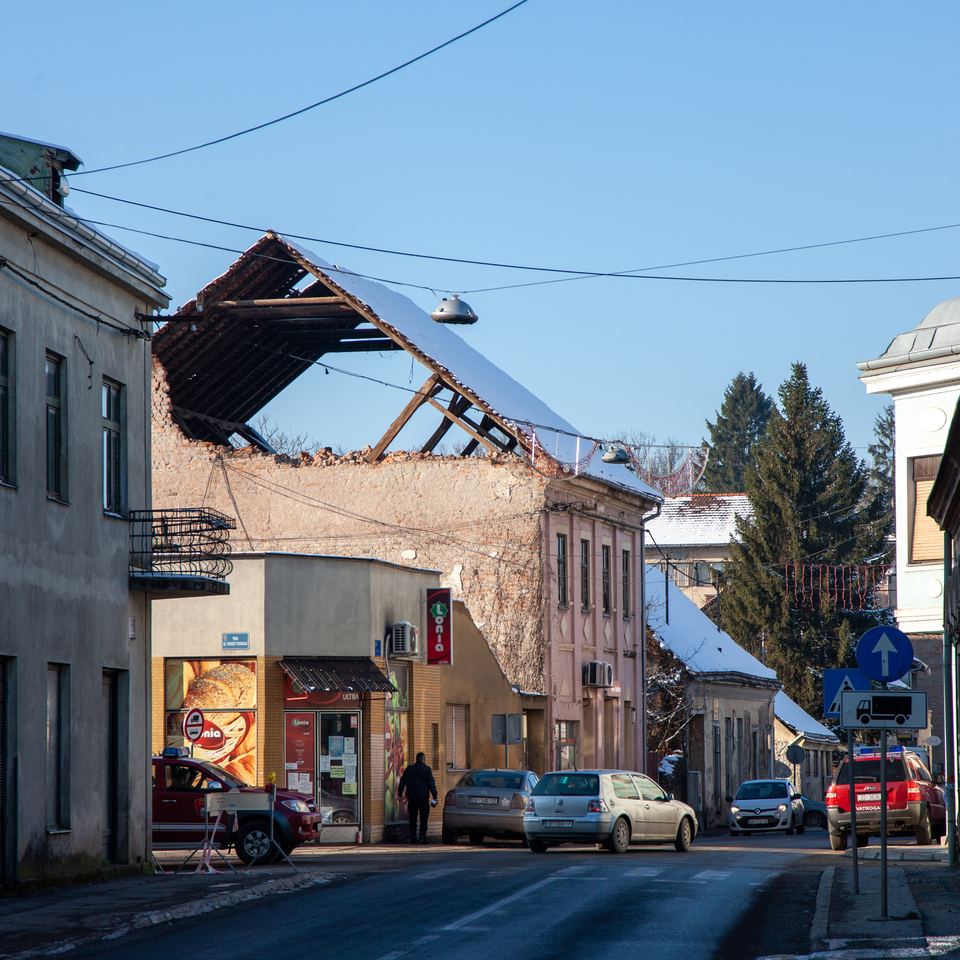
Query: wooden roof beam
(433,385)
(458,406)
(465,425)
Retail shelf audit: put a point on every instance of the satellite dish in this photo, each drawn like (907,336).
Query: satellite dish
(454,311)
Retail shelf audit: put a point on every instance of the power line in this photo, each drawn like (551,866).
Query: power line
(571,273)
(312,106)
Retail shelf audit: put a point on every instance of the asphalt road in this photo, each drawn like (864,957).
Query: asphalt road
(504,902)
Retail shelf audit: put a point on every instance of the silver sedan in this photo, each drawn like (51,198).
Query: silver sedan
(487,803)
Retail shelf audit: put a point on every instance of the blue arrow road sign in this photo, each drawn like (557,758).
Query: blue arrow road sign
(835,682)
(885,654)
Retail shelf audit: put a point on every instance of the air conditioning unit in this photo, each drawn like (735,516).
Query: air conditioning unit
(404,638)
(597,673)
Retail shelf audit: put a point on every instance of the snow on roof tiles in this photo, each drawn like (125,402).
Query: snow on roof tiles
(700,519)
(692,636)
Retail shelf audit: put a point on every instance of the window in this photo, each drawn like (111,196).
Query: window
(565,735)
(56,447)
(58,746)
(624,787)
(926,538)
(606,580)
(585,574)
(562,597)
(626,585)
(6,439)
(458,752)
(112,447)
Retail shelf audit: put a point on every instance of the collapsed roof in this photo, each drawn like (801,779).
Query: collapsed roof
(279,308)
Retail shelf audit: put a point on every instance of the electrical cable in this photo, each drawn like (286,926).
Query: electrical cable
(574,273)
(312,106)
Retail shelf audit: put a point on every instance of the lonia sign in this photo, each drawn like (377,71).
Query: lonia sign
(439,626)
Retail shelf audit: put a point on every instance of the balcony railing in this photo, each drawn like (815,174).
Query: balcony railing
(180,549)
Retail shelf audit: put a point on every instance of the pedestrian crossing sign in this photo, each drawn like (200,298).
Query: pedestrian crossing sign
(835,682)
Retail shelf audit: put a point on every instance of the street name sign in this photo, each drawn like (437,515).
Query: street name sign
(835,682)
(885,654)
(193,725)
(883,709)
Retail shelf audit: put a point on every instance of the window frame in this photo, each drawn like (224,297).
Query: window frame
(606,579)
(626,583)
(7,418)
(58,748)
(453,744)
(930,547)
(56,415)
(563,594)
(113,453)
(584,575)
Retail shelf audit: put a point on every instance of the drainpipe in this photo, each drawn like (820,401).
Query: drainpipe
(642,640)
(949,703)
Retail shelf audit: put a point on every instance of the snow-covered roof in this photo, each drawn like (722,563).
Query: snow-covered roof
(700,519)
(692,636)
(934,340)
(471,369)
(795,717)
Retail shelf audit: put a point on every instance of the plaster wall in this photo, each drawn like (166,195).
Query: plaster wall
(64,573)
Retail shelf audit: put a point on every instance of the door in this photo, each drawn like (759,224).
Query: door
(110,765)
(179,799)
(340,768)
(659,815)
(628,800)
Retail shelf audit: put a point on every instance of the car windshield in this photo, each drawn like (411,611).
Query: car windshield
(491,778)
(867,770)
(762,791)
(568,785)
(218,773)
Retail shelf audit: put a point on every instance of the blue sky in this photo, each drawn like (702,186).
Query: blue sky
(606,136)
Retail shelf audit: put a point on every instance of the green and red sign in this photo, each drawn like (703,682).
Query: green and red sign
(439,631)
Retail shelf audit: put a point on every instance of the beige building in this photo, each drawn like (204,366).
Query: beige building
(537,537)
(794,725)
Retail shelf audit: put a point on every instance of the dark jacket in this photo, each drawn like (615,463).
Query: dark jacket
(418,782)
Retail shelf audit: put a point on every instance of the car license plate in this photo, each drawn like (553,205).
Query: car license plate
(557,823)
(491,801)
(757,823)
(867,796)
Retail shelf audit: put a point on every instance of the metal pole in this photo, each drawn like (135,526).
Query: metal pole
(883,821)
(853,812)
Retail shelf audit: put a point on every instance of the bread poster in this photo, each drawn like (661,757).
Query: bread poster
(226,692)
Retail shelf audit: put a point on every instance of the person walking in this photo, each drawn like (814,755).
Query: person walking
(418,783)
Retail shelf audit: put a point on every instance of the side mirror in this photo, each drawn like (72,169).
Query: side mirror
(670,796)
(796,796)
(729,799)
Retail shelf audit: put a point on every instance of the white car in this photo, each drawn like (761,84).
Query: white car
(611,808)
(764,805)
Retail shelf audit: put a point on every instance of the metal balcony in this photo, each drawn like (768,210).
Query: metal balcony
(180,552)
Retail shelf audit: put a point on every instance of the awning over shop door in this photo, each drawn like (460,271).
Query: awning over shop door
(342,674)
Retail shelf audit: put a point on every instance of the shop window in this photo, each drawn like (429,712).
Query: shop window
(562,582)
(458,749)
(565,735)
(926,537)
(396,741)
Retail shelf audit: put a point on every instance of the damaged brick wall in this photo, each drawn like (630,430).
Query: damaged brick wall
(476,519)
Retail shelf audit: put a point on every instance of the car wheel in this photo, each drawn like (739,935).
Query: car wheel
(253,844)
(838,841)
(802,828)
(747,833)
(684,836)
(342,816)
(536,846)
(791,829)
(924,830)
(815,820)
(476,838)
(619,836)
(449,837)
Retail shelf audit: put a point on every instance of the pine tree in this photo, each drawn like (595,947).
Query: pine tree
(741,422)
(798,587)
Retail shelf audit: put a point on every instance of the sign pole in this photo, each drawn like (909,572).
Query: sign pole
(883,823)
(853,812)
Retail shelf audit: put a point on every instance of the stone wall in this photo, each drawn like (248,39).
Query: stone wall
(476,519)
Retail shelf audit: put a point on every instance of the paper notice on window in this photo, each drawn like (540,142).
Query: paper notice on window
(349,788)
(337,772)
(324,764)
(349,746)
(293,781)
(306,785)
(290,766)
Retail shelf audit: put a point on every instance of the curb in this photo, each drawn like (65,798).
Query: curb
(819,929)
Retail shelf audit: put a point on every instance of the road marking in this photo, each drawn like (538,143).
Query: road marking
(712,875)
(436,874)
(427,938)
(643,872)
(470,917)
(394,955)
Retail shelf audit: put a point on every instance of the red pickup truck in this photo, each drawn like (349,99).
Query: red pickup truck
(915,803)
